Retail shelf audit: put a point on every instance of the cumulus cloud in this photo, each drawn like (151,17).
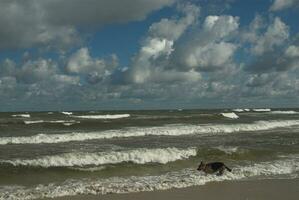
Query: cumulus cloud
(55,23)
(94,69)
(209,49)
(283,4)
(149,63)
(277,33)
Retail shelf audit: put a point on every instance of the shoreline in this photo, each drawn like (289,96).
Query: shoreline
(274,189)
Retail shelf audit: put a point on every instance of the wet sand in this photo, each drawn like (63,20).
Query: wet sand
(274,189)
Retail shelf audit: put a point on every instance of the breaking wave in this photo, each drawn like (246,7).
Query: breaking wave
(116,116)
(241,110)
(230,115)
(65,122)
(170,130)
(284,112)
(262,110)
(67,113)
(22,115)
(138,156)
(177,179)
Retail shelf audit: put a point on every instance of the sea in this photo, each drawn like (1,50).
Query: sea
(56,154)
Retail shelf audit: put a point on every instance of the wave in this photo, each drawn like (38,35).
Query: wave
(65,122)
(22,115)
(262,110)
(241,110)
(34,122)
(116,116)
(230,115)
(227,149)
(67,113)
(138,156)
(284,112)
(176,179)
(170,130)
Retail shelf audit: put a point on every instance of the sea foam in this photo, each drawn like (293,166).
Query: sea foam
(176,179)
(284,112)
(116,116)
(68,122)
(262,109)
(22,115)
(138,156)
(169,130)
(67,113)
(231,115)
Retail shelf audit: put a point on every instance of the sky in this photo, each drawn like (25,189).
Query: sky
(140,54)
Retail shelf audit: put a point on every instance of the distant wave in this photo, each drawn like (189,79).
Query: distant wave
(230,115)
(262,110)
(138,156)
(67,113)
(116,116)
(66,122)
(169,130)
(22,115)
(284,112)
(241,110)
(176,179)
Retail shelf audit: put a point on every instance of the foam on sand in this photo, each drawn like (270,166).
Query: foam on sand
(138,156)
(169,130)
(231,115)
(176,179)
(116,116)
(22,115)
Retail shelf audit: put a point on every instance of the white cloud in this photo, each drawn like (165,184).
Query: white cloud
(277,33)
(209,49)
(148,64)
(211,56)
(292,51)
(37,70)
(283,4)
(96,69)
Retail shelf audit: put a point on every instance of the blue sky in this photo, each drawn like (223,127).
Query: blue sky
(137,54)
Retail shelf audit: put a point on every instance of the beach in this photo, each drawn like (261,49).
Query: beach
(275,189)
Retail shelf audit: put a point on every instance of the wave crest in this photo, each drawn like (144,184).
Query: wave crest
(231,115)
(170,130)
(116,116)
(138,156)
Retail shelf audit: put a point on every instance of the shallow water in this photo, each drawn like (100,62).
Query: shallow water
(51,154)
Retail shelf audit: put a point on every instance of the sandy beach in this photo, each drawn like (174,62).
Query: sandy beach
(230,190)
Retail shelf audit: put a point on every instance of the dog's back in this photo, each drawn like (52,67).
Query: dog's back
(213,167)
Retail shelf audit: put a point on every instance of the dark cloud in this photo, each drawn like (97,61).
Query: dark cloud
(55,23)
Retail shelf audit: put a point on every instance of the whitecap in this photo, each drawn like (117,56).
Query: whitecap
(262,109)
(22,115)
(169,130)
(116,116)
(138,156)
(230,115)
(67,113)
(284,112)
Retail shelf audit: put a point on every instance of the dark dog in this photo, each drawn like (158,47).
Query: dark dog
(213,167)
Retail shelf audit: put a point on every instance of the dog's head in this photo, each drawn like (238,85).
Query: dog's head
(201,166)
